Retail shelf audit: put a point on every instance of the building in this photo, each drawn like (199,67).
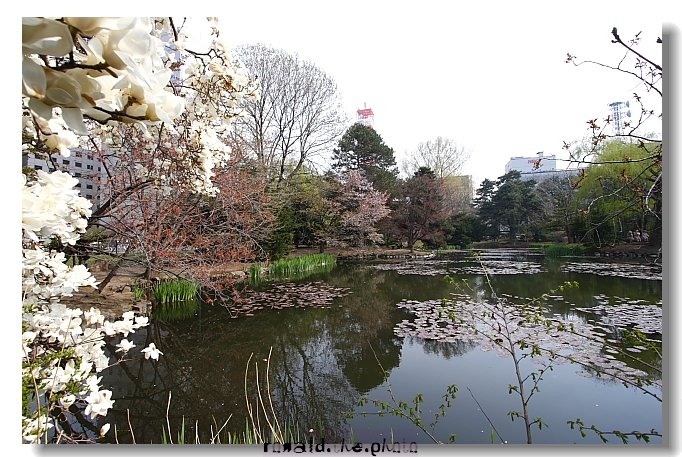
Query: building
(531,164)
(366,117)
(82,165)
(538,169)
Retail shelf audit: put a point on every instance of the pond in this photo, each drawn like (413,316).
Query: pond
(319,345)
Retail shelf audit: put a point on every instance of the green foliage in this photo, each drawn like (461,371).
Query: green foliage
(464,229)
(293,267)
(560,250)
(618,193)
(640,436)
(510,202)
(362,148)
(175,291)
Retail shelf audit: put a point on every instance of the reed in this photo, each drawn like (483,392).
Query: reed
(175,291)
(175,311)
(293,267)
(560,250)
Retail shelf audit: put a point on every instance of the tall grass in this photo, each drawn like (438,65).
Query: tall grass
(560,250)
(262,425)
(293,267)
(175,300)
(175,290)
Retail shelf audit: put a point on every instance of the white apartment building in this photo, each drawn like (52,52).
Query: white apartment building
(81,165)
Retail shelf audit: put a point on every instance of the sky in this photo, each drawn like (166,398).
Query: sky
(492,78)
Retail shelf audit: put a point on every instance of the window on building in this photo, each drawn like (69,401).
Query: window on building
(99,168)
(78,185)
(38,167)
(77,175)
(66,161)
(88,196)
(88,186)
(79,164)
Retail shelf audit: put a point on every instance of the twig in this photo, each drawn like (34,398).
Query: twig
(486,416)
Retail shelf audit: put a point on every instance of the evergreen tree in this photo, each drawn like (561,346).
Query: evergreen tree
(362,148)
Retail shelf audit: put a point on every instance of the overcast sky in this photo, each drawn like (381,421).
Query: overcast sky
(491,78)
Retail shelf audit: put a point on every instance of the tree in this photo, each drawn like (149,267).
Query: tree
(363,207)
(335,210)
(486,208)
(445,157)
(649,74)
(85,76)
(362,148)
(509,202)
(614,193)
(298,116)
(558,195)
(417,208)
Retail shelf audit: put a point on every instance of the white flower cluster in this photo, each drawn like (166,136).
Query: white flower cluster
(51,206)
(61,347)
(108,70)
(54,330)
(120,76)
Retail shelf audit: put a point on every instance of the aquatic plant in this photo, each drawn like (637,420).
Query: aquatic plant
(560,250)
(289,295)
(523,330)
(176,310)
(175,290)
(293,267)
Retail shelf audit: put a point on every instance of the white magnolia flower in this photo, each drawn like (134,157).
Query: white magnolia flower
(99,403)
(151,351)
(124,346)
(45,37)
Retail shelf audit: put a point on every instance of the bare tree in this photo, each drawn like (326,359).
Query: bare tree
(298,117)
(444,156)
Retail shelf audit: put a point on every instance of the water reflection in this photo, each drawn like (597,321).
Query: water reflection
(324,358)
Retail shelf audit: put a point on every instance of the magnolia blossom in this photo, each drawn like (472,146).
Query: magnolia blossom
(151,351)
(120,71)
(51,206)
(33,428)
(124,346)
(99,403)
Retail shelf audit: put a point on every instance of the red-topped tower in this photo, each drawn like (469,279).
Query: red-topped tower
(366,117)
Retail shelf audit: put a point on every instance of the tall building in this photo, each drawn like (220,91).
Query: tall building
(82,165)
(537,168)
(619,115)
(366,117)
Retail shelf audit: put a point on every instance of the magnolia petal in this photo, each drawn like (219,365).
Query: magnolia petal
(33,78)
(46,37)
(40,109)
(74,119)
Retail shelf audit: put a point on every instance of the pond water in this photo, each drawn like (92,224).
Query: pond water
(323,340)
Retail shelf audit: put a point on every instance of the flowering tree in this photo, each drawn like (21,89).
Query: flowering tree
(364,207)
(84,77)
(177,229)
